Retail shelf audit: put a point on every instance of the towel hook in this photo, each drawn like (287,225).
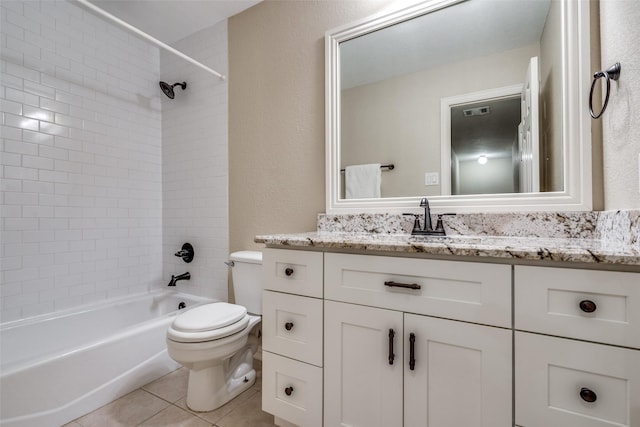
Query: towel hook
(612,73)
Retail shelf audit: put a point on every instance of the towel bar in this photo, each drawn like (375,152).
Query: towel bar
(387,167)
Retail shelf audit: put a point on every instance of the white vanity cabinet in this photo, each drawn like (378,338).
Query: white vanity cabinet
(588,373)
(367,340)
(385,366)
(292,336)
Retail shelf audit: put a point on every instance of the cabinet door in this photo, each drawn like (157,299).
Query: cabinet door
(462,374)
(568,383)
(362,388)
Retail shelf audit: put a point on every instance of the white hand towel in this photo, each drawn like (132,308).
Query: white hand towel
(362,181)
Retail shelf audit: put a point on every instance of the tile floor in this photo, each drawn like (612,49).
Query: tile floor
(163,403)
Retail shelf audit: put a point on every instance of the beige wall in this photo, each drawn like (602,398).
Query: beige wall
(276,114)
(620,36)
(276,111)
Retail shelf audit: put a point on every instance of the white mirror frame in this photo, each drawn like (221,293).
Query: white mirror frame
(576,125)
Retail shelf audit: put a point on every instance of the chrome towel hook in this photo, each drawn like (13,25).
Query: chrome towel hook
(612,73)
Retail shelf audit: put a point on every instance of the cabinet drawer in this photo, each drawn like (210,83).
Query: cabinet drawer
(552,373)
(602,306)
(467,291)
(292,326)
(292,390)
(294,272)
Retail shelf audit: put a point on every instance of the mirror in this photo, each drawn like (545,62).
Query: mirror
(438,87)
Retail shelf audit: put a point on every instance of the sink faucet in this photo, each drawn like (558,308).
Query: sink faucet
(427,229)
(424,203)
(175,279)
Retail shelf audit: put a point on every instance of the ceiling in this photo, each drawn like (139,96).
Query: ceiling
(173,20)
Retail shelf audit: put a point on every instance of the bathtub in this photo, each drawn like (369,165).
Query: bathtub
(57,367)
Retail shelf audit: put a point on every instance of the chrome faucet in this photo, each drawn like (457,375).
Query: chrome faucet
(175,279)
(427,229)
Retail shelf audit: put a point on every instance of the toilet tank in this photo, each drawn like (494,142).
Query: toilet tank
(247,279)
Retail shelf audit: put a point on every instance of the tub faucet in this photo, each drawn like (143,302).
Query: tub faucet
(175,279)
(186,253)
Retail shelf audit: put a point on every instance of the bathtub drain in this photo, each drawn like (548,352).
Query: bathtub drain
(182,305)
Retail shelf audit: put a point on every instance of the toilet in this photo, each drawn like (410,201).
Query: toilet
(216,341)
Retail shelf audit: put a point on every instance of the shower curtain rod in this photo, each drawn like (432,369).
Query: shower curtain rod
(146,36)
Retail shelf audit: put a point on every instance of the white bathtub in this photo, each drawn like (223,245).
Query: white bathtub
(57,367)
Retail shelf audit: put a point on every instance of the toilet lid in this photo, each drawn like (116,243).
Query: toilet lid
(209,317)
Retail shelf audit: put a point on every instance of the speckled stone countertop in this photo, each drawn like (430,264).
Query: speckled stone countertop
(606,238)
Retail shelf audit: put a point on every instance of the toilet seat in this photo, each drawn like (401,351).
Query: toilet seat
(208,322)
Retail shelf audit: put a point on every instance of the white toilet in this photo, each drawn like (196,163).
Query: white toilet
(214,341)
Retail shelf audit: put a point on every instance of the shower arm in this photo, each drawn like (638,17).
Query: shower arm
(146,36)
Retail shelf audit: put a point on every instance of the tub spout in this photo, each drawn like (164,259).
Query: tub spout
(175,279)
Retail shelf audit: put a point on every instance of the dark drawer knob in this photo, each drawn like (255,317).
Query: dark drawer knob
(288,326)
(588,395)
(588,306)
(288,391)
(288,271)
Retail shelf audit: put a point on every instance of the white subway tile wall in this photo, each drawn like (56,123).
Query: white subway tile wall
(81,159)
(96,183)
(195,164)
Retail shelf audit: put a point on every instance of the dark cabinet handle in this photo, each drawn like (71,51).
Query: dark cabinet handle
(412,351)
(393,284)
(588,306)
(288,390)
(391,355)
(588,395)
(288,326)
(288,271)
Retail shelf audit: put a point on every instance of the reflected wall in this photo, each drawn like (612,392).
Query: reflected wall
(398,120)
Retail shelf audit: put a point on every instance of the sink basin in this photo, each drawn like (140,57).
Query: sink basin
(455,240)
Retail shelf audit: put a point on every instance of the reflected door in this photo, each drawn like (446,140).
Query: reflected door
(528,135)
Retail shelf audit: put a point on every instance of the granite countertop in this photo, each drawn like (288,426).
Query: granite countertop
(516,248)
(605,238)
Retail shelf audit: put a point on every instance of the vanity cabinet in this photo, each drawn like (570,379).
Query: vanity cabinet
(588,373)
(369,340)
(385,365)
(292,317)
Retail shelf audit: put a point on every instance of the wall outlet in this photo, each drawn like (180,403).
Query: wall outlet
(431,178)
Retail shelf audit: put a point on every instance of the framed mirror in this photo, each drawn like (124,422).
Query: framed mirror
(434,89)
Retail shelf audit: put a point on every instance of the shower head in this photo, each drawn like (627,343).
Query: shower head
(167,89)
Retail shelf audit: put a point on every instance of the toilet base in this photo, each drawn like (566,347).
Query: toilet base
(212,387)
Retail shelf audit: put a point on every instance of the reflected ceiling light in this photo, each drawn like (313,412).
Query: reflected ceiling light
(482,159)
